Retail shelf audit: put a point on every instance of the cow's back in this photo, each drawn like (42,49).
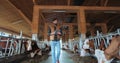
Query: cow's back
(113,47)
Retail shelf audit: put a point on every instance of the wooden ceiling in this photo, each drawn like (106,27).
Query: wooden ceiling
(17,14)
(11,20)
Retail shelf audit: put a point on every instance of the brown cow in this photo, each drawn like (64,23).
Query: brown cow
(109,53)
(113,48)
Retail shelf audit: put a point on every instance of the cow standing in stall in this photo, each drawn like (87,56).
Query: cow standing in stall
(32,48)
(110,52)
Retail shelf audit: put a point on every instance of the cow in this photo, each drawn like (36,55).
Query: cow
(107,55)
(103,55)
(32,48)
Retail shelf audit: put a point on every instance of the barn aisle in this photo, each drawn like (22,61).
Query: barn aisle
(64,58)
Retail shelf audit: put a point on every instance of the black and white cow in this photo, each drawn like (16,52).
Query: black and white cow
(32,48)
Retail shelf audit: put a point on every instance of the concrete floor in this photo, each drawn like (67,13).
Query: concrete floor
(64,58)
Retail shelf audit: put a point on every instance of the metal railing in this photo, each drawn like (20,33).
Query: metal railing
(106,38)
(12,47)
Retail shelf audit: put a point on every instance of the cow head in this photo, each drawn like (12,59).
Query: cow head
(86,44)
(29,47)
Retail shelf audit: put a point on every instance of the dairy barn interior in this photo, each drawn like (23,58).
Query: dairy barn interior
(90,31)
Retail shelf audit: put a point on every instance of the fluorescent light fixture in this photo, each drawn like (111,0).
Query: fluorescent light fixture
(59,11)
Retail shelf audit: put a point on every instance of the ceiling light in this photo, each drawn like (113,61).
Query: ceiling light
(59,11)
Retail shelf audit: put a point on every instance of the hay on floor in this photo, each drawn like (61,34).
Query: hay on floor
(86,59)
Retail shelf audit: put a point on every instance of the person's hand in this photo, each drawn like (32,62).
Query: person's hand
(53,33)
(58,33)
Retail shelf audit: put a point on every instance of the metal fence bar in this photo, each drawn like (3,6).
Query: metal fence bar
(10,48)
(19,46)
(6,48)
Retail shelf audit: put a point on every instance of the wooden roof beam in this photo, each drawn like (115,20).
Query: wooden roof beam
(112,18)
(101,8)
(77,8)
(25,18)
(88,24)
(96,2)
(106,2)
(68,2)
(22,14)
(57,7)
(111,28)
(43,17)
(102,2)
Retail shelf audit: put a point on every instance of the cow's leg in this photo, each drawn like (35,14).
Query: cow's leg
(39,53)
(32,54)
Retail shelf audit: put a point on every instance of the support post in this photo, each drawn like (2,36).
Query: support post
(45,32)
(81,26)
(35,23)
(71,37)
